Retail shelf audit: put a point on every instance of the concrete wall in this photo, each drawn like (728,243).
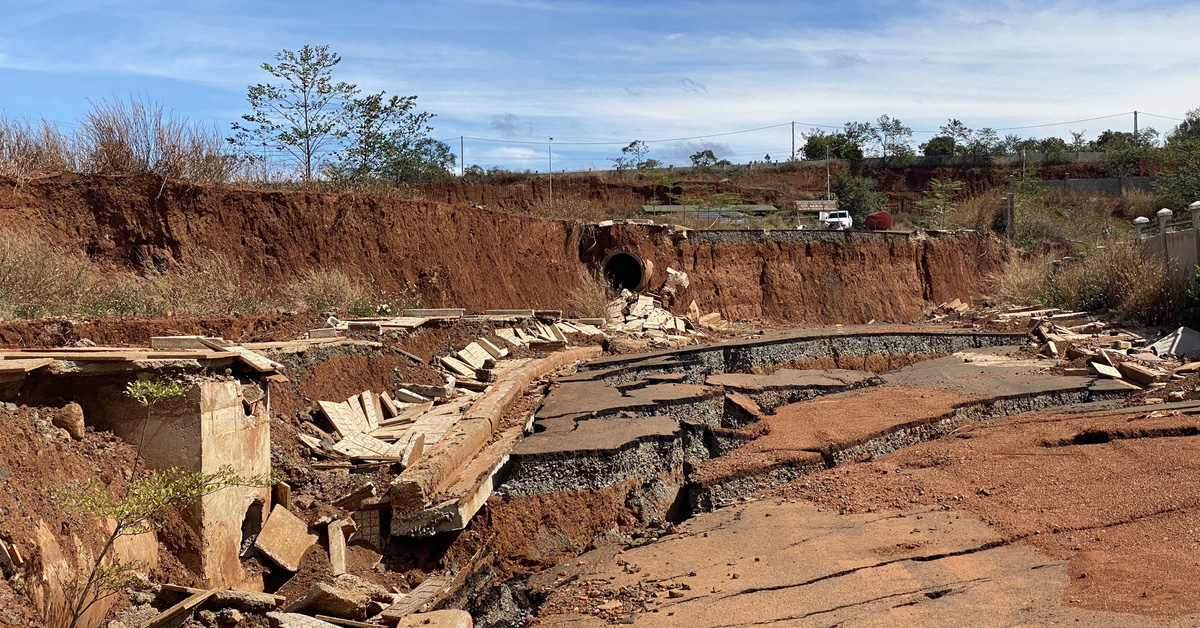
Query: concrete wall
(1115,186)
(1179,249)
(202,431)
(230,438)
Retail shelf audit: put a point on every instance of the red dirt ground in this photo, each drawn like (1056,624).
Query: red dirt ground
(136,331)
(1126,513)
(37,463)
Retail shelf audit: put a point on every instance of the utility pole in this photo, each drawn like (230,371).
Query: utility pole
(793,140)
(1135,125)
(550,160)
(828,188)
(462,157)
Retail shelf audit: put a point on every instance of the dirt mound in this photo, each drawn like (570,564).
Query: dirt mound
(37,460)
(813,281)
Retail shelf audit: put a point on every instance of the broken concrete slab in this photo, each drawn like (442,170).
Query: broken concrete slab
(1104,370)
(1184,342)
(245,601)
(296,620)
(284,539)
(433,391)
(327,599)
(407,396)
(337,546)
(342,417)
(1141,374)
(438,619)
(434,313)
(458,367)
(493,350)
(372,409)
(417,485)
(475,356)
(419,599)
(578,400)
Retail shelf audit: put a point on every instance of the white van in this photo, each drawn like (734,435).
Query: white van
(837,220)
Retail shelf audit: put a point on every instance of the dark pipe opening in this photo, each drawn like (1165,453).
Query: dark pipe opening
(624,271)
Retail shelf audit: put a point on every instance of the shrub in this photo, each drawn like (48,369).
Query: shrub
(327,290)
(27,148)
(1117,276)
(136,136)
(590,296)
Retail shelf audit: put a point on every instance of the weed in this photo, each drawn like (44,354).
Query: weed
(328,290)
(590,297)
(1116,276)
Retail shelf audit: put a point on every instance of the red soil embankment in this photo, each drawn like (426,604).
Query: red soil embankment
(455,256)
(817,282)
(452,256)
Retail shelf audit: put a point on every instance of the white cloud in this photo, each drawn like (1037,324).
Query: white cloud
(995,64)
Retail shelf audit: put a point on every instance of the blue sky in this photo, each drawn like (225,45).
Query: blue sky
(610,72)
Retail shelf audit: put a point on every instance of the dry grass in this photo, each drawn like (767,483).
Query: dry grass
(27,148)
(1134,203)
(977,212)
(325,290)
(1115,276)
(212,285)
(138,136)
(589,299)
(134,136)
(38,279)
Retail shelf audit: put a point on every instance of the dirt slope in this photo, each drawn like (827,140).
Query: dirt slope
(816,282)
(454,256)
(458,256)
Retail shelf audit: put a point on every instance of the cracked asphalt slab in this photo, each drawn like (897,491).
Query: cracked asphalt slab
(1089,513)
(791,563)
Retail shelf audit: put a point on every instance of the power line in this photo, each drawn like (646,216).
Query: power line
(1155,115)
(1038,126)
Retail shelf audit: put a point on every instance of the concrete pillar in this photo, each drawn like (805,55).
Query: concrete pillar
(1139,224)
(1195,207)
(1164,217)
(203,431)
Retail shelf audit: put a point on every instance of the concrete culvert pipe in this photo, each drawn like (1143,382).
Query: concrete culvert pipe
(624,270)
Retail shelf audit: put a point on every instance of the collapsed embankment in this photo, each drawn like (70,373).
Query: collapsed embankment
(455,256)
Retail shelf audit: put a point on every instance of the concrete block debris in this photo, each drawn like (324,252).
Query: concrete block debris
(284,539)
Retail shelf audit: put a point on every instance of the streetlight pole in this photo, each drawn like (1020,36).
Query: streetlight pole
(550,160)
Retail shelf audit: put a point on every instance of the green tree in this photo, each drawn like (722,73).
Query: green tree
(703,158)
(859,195)
(938,146)
(892,139)
(939,201)
(304,115)
(634,157)
(1187,131)
(145,507)
(387,139)
(821,145)
(1178,186)
(957,131)
(1128,153)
